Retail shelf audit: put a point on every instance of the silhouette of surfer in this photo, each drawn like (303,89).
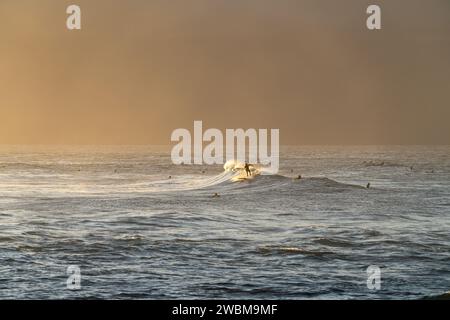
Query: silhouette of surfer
(247,169)
(368,185)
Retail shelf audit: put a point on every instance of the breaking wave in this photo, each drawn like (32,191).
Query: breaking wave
(234,176)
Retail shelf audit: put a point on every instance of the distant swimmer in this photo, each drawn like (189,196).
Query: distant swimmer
(368,185)
(298,177)
(169,177)
(216,195)
(247,169)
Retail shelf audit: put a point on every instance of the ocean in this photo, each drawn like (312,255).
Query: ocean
(139,227)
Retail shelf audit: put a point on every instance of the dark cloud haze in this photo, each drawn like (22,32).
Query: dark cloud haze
(139,69)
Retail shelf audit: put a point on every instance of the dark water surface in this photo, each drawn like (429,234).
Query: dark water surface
(134,233)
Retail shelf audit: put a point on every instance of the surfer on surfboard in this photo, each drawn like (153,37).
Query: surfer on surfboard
(247,169)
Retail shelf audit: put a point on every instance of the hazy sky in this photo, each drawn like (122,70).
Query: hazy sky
(139,69)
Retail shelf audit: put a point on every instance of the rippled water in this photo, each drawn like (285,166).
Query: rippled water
(135,233)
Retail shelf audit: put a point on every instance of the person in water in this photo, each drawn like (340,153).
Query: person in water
(247,169)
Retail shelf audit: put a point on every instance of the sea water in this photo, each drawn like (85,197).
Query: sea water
(138,226)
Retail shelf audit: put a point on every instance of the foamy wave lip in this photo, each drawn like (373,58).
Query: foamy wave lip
(233,165)
(292,250)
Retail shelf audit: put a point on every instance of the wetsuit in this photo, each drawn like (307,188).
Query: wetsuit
(247,169)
